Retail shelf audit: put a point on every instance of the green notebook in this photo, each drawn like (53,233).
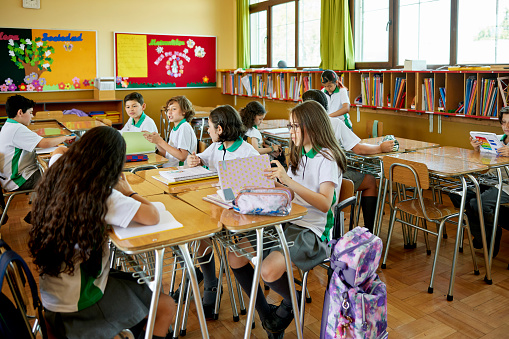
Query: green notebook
(137,144)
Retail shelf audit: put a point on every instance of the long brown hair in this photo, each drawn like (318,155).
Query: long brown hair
(68,224)
(314,121)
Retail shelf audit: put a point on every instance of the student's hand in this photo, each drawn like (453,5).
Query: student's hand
(277,172)
(59,150)
(387,146)
(193,160)
(123,186)
(153,137)
(476,143)
(503,151)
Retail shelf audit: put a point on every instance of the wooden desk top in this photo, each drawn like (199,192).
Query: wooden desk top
(142,186)
(48,128)
(197,225)
(490,160)
(153,159)
(232,220)
(441,165)
(73,118)
(405,145)
(176,188)
(275,123)
(82,125)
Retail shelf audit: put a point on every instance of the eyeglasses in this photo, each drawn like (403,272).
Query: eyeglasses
(295,127)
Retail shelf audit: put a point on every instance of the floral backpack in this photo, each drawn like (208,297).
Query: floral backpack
(355,304)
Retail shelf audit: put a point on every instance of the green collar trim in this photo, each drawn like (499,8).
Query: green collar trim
(180,123)
(501,139)
(255,126)
(142,118)
(12,120)
(335,91)
(234,146)
(311,154)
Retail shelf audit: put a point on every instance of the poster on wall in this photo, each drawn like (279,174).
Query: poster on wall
(42,60)
(164,61)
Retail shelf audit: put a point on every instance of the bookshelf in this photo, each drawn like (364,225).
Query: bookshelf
(416,91)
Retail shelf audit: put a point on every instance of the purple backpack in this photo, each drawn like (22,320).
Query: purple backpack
(355,304)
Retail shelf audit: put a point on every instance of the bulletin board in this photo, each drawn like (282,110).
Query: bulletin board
(144,61)
(42,60)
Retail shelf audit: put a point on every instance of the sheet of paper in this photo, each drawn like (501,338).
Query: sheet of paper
(137,144)
(166,222)
(247,84)
(281,130)
(45,150)
(132,55)
(490,141)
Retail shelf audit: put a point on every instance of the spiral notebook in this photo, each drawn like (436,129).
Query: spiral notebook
(245,172)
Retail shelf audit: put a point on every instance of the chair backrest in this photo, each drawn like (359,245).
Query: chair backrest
(406,172)
(378,131)
(345,203)
(201,146)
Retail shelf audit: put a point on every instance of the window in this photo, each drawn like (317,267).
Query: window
(287,30)
(371,31)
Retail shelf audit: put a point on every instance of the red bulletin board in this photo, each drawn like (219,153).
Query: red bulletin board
(144,61)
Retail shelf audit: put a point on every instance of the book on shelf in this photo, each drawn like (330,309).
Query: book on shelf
(185,174)
(470,95)
(442,96)
(429,96)
(378,90)
(488,95)
(365,89)
(399,90)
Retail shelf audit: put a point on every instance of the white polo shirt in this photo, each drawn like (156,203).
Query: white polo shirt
(17,154)
(315,169)
(254,133)
(335,102)
(144,124)
(216,152)
(347,139)
(182,137)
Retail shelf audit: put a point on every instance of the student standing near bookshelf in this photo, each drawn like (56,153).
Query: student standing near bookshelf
(337,97)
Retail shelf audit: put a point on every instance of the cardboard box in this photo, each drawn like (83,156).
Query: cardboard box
(107,83)
(104,95)
(414,65)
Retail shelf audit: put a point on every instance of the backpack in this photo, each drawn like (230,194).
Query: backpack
(355,304)
(14,322)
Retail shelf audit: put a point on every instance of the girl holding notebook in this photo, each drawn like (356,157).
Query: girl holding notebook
(79,196)
(314,173)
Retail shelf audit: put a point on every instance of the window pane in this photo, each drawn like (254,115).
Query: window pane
(424,31)
(258,35)
(252,2)
(309,32)
(283,34)
(371,33)
(483,36)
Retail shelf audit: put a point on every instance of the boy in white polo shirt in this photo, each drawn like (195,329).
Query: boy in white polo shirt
(18,163)
(138,120)
(337,97)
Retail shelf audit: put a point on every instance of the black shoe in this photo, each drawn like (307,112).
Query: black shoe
(28,218)
(208,309)
(278,335)
(276,324)
(175,295)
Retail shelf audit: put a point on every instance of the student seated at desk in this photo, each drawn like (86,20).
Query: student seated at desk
(366,183)
(226,131)
(488,195)
(182,137)
(19,169)
(314,173)
(138,120)
(252,116)
(80,195)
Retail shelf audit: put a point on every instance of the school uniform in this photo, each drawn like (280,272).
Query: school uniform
(182,137)
(17,155)
(99,304)
(254,133)
(335,101)
(216,152)
(144,124)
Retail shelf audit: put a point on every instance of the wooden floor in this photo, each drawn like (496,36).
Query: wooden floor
(477,311)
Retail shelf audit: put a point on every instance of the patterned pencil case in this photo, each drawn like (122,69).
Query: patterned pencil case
(264,201)
(136,157)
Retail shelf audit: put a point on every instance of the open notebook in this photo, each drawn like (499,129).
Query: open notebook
(490,141)
(245,172)
(167,222)
(186,174)
(137,144)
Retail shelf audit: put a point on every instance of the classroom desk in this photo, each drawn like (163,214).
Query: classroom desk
(81,126)
(48,128)
(405,145)
(142,186)
(234,222)
(176,188)
(441,167)
(197,225)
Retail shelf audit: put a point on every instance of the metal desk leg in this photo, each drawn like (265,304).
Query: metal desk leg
(202,127)
(158,276)
(184,249)
(381,202)
(495,219)
(256,281)
(291,281)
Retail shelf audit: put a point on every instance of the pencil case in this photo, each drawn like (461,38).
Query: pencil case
(264,201)
(136,157)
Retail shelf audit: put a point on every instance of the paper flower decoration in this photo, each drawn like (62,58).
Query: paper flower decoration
(30,87)
(3,88)
(8,81)
(38,88)
(61,85)
(86,83)
(22,87)
(205,79)
(160,49)
(12,87)
(42,81)
(199,52)
(68,86)
(75,80)
(190,43)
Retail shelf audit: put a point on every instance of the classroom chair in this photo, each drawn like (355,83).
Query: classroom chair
(374,128)
(346,202)
(10,196)
(417,210)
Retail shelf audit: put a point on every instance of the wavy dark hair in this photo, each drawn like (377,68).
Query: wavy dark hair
(68,224)
(185,105)
(314,121)
(229,119)
(249,113)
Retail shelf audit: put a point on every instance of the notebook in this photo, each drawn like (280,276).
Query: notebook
(245,172)
(137,144)
(166,222)
(490,141)
(187,174)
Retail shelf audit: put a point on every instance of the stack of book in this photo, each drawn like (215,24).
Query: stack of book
(489,93)
(429,95)
(470,95)
(185,174)
(399,93)
(114,116)
(441,100)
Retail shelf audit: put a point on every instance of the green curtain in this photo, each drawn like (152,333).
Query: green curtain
(243,34)
(336,40)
